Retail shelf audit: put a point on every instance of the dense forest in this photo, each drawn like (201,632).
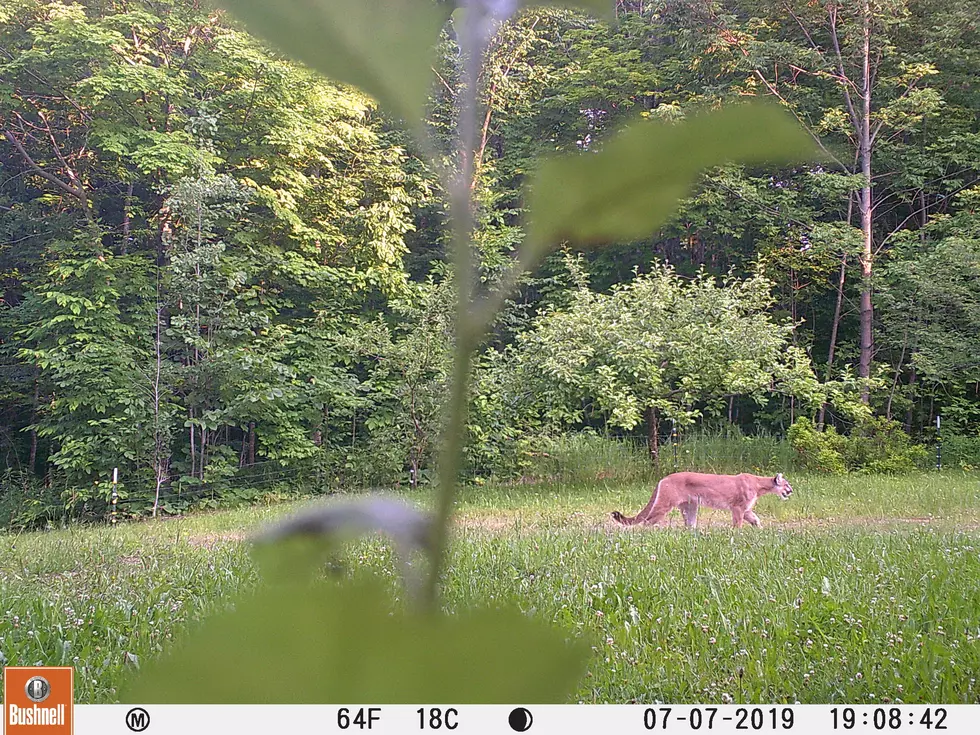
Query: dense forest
(223,274)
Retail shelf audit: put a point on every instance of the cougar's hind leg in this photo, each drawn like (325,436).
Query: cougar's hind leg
(738,516)
(752,518)
(690,512)
(657,514)
(641,517)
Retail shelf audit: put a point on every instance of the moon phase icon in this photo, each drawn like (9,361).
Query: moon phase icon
(520,719)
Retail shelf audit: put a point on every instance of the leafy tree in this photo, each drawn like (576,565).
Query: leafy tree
(135,128)
(88,347)
(929,296)
(851,76)
(409,368)
(659,346)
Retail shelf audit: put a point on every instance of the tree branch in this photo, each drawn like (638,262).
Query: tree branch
(832,17)
(74,191)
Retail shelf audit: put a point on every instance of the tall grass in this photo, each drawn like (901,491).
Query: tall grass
(732,453)
(588,456)
(774,616)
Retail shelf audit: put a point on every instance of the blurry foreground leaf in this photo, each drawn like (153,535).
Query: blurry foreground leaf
(330,643)
(384,47)
(408,527)
(293,549)
(631,187)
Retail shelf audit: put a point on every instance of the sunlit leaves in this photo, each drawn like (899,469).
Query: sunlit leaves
(341,643)
(661,341)
(384,47)
(631,186)
(599,8)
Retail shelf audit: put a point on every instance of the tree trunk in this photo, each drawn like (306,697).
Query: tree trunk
(251,443)
(653,433)
(898,374)
(865,207)
(203,452)
(32,457)
(127,204)
(834,327)
(908,414)
(161,449)
(193,452)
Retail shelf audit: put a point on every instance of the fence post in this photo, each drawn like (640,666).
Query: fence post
(115,495)
(939,445)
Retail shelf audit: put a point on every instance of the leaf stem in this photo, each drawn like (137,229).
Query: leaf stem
(471,43)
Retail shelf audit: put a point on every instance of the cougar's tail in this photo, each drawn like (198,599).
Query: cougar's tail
(641,516)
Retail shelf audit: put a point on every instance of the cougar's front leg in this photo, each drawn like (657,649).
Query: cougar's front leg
(690,512)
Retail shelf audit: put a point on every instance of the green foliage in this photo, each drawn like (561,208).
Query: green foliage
(334,196)
(98,417)
(878,445)
(875,445)
(929,299)
(659,342)
(28,503)
(246,299)
(962,452)
(601,8)
(820,451)
(408,366)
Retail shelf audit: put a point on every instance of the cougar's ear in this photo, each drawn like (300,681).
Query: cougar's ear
(779,477)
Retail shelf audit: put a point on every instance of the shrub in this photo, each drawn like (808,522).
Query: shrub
(26,502)
(586,456)
(821,451)
(961,452)
(876,445)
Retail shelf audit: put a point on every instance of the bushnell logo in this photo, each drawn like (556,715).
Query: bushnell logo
(38,700)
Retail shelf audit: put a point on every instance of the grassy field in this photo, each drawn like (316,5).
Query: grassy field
(858,589)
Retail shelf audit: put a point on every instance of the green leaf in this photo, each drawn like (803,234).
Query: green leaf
(599,8)
(384,47)
(330,642)
(634,183)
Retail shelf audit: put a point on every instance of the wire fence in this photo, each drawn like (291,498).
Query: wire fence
(27,501)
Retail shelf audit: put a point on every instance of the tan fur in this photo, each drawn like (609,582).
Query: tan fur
(690,490)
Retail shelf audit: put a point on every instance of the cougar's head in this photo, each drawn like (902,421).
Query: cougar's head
(783,488)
